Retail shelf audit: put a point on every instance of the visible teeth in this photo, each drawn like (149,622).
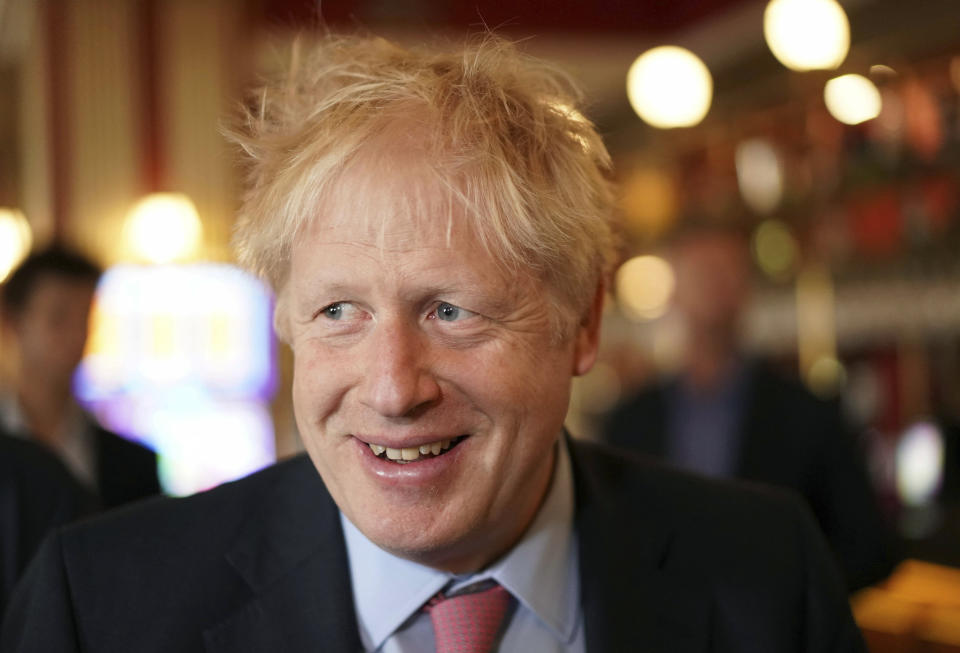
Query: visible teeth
(409,454)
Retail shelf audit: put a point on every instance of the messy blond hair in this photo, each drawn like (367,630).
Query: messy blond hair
(499,130)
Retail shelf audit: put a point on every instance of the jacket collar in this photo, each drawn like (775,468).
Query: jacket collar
(633,595)
(291,556)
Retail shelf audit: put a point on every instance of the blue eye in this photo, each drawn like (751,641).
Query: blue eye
(333,311)
(449,312)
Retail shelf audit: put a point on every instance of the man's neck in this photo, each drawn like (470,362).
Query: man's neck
(709,357)
(45,406)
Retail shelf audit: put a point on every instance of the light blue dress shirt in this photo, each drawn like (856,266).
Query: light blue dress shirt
(541,572)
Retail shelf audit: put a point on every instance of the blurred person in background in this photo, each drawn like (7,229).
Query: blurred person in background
(37,495)
(438,229)
(730,415)
(46,305)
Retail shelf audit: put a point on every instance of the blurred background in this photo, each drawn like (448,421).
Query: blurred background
(828,133)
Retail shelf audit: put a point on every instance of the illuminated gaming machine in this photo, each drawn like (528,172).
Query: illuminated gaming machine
(182,358)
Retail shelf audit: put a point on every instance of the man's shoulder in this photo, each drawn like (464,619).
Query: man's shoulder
(773,383)
(727,512)
(32,461)
(114,445)
(649,395)
(166,569)
(188,550)
(688,550)
(746,545)
(638,421)
(37,489)
(206,520)
(630,471)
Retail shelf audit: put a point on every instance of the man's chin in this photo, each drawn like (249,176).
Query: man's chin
(445,546)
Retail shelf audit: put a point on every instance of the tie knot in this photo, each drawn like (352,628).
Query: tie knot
(468,622)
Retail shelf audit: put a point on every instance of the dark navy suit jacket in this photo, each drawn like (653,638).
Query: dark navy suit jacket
(37,495)
(126,471)
(788,438)
(668,564)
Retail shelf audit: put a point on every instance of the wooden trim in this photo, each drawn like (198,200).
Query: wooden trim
(56,19)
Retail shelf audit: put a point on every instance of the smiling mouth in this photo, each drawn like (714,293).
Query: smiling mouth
(413,454)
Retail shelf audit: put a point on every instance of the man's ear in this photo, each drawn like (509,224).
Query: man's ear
(588,334)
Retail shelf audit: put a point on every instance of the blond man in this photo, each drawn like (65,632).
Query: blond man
(437,227)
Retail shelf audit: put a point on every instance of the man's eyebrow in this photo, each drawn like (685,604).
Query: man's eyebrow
(336,284)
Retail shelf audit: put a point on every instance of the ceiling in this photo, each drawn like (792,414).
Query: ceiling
(649,17)
(597,41)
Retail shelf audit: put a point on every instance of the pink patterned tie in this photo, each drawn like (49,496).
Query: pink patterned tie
(468,623)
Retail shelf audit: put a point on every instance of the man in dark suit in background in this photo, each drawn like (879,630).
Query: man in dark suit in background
(46,309)
(729,415)
(438,228)
(37,495)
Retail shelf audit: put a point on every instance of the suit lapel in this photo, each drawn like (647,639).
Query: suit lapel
(293,559)
(632,597)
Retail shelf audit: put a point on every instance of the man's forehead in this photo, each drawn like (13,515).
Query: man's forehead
(54,283)
(387,232)
(393,209)
(54,293)
(427,251)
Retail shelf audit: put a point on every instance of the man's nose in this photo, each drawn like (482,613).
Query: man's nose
(398,380)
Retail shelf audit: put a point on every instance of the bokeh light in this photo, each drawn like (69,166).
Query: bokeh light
(649,200)
(816,321)
(882,71)
(15,239)
(852,99)
(670,87)
(827,376)
(181,357)
(759,175)
(919,464)
(807,34)
(162,228)
(775,249)
(890,124)
(644,286)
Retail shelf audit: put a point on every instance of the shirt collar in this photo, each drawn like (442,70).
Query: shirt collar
(541,570)
(11,417)
(76,445)
(76,420)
